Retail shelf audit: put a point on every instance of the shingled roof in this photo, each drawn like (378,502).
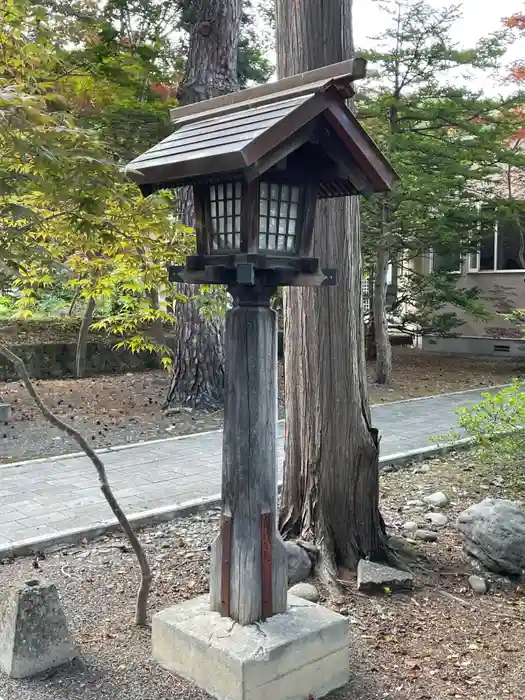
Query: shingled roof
(240,138)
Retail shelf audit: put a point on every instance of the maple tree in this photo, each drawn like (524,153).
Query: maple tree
(517,22)
(116,67)
(64,206)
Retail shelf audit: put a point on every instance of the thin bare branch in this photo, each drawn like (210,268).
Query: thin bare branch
(146,576)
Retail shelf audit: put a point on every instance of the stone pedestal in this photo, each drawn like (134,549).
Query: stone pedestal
(33,630)
(296,655)
(5,412)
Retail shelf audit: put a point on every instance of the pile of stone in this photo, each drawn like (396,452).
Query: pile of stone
(417,529)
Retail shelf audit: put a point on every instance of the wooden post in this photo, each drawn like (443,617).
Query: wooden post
(249,571)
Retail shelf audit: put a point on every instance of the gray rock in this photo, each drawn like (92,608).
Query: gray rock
(387,468)
(478,584)
(415,502)
(299,563)
(437,499)
(494,533)
(402,545)
(306,591)
(33,630)
(5,412)
(425,535)
(410,526)
(312,549)
(372,577)
(423,469)
(437,519)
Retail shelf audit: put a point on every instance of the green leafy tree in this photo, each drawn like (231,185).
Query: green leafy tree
(99,82)
(253,64)
(132,58)
(63,205)
(123,68)
(448,145)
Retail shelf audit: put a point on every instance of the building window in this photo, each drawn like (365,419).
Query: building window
(473,261)
(445,261)
(502,246)
(510,253)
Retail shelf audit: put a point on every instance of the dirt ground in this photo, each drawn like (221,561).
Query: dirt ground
(120,409)
(439,642)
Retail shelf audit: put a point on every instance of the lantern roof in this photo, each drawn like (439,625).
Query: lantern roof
(299,127)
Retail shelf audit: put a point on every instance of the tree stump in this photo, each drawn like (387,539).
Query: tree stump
(248,579)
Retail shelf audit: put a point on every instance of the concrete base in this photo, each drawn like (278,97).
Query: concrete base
(297,655)
(33,630)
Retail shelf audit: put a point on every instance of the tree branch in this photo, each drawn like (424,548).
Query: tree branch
(142,596)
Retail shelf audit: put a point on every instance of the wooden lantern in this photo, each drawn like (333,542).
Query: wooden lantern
(258,161)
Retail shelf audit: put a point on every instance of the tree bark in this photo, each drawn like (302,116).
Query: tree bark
(211,70)
(82,339)
(382,340)
(157,328)
(370,341)
(331,479)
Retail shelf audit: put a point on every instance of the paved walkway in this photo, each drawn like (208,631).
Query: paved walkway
(45,497)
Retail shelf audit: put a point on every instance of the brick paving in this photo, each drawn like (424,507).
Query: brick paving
(42,498)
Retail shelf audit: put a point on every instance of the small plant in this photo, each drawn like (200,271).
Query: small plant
(6,307)
(498,424)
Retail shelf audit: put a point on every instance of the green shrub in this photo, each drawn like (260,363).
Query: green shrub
(498,424)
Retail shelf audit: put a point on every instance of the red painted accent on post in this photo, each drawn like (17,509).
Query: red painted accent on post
(266,565)
(226,545)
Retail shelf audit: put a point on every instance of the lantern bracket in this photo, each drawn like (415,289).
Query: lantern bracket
(246,274)
(260,261)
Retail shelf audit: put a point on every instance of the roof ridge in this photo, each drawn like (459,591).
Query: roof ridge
(341,75)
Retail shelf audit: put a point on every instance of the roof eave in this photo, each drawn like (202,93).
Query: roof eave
(374,165)
(188,171)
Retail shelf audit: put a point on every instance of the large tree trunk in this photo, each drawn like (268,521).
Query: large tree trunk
(382,341)
(331,482)
(211,70)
